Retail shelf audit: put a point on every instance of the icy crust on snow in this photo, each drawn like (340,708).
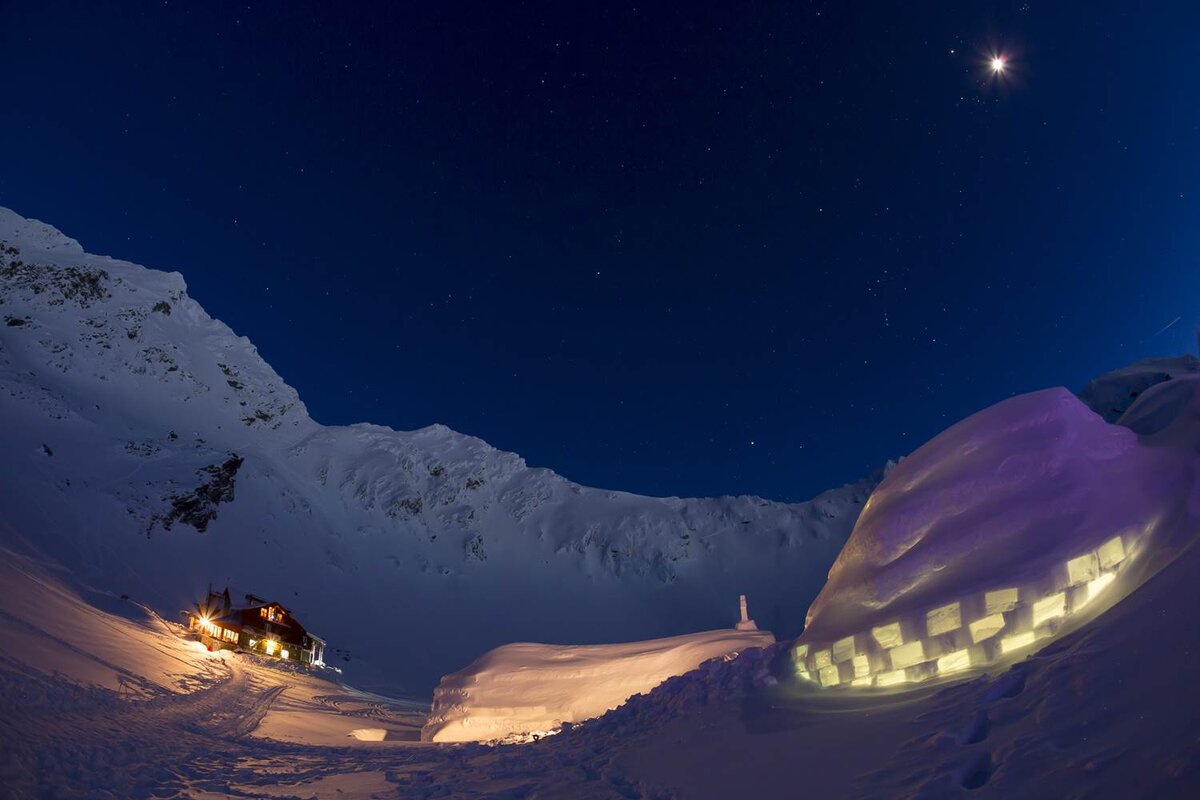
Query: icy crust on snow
(996,533)
(153,451)
(523,690)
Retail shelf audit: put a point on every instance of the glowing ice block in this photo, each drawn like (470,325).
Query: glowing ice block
(862,666)
(1082,569)
(906,655)
(890,678)
(1049,607)
(800,652)
(867,681)
(829,676)
(822,659)
(1017,641)
(1111,553)
(944,619)
(843,650)
(889,635)
(1096,586)
(986,627)
(1000,600)
(953,662)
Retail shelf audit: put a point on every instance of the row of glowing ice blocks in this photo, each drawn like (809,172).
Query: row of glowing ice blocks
(898,661)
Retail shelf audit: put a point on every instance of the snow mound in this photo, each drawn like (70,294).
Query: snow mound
(1112,394)
(529,690)
(998,533)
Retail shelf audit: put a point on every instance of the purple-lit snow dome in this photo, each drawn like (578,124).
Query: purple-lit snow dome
(1021,521)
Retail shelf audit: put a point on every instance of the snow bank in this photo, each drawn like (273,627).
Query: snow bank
(527,689)
(1000,532)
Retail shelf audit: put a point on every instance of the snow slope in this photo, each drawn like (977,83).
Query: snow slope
(103,698)
(151,450)
(532,689)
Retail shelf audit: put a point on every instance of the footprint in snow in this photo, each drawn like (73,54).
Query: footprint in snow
(976,771)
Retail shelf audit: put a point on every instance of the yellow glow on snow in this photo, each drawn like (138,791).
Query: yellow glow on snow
(1082,569)
(907,655)
(1017,641)
(829,676)
(1049,608)
(888,636)
(862,666)
(986,628)
(890,678)
(944,619)
(953,662)
(1111,553)
(1000,600)
(1098,585)
(890,656)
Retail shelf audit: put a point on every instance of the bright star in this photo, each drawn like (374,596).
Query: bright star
(998,64)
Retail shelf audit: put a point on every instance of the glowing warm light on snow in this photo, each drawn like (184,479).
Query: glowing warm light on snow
(944,619)
(1082,569)
(1111,553)
(986,628)
(1017,641)
(369,734)
(953,662)
(1049,608)
(829,676)
(888,636)
(862,666)
(907,655)
(1098,585)
(1000,600)
(890,678)
(915,660)
(843,649)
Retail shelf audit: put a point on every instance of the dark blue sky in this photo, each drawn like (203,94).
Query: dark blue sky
(748,248)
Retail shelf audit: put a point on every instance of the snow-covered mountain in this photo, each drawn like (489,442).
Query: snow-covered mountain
(152,451)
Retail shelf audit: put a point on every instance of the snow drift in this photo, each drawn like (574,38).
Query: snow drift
(520,690)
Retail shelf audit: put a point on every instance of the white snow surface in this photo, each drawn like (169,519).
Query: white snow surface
(152,451)
(527,689)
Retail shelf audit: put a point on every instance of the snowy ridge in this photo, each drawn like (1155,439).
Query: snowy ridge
(523,691)
(153,451)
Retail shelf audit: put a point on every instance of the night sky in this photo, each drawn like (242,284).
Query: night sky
(746,248)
